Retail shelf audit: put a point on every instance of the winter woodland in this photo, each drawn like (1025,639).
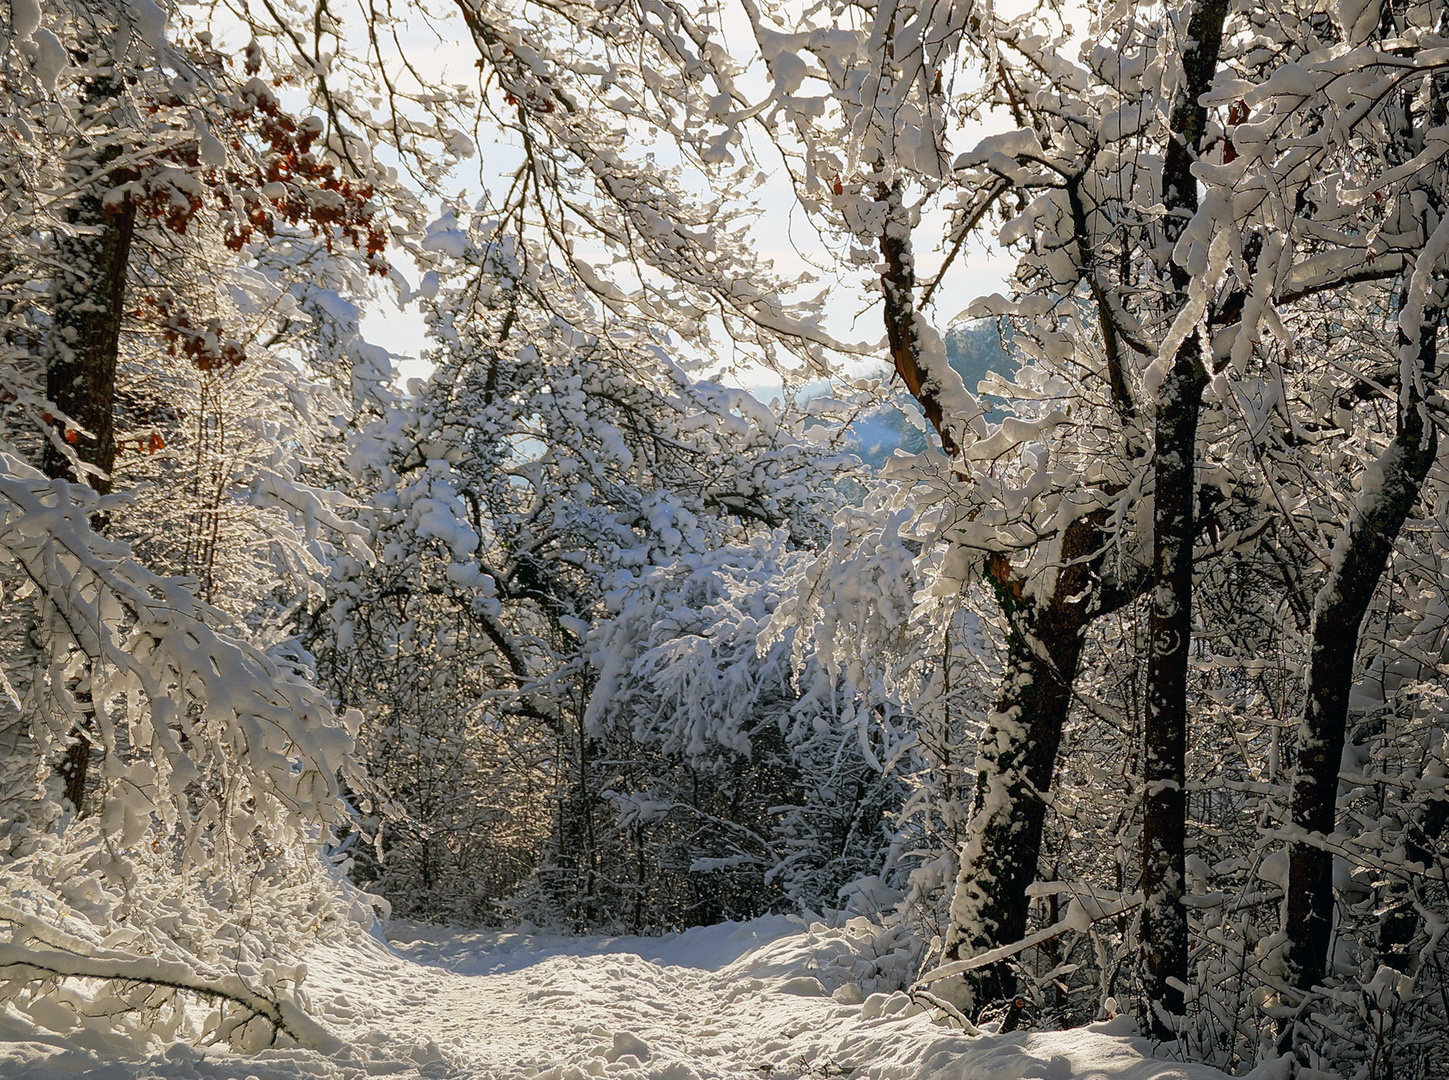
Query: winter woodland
(1086,640)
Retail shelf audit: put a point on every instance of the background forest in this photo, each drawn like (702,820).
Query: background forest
(1092,634)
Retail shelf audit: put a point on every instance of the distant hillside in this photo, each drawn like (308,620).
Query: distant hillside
(974,349)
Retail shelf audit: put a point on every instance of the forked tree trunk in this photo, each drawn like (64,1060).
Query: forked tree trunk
(1018,753)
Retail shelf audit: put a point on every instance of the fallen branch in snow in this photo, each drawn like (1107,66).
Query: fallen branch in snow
(1082,913)
(283,1016)
(930,1000)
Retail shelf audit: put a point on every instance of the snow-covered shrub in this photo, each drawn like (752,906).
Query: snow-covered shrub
(218,767)
(740,785)
(115,949)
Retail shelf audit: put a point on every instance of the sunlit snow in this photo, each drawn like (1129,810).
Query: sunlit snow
(773,999)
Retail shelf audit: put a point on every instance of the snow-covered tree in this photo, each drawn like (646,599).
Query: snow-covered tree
(1143,179)
(168,758)
(1129,673)
(534,498)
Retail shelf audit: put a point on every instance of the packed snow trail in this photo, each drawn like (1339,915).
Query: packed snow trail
(739,1001)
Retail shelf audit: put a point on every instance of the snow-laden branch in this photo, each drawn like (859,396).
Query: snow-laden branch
(172,699)
(1081,914)
(22,962)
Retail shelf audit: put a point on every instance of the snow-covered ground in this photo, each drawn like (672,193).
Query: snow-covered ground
(770,999)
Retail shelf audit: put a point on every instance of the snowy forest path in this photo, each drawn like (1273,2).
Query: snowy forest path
(554,1008)
(770,999)
(761,1000)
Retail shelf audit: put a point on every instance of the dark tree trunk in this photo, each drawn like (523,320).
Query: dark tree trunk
(89,296)
(1174,455)
(1018,751)
(1362,554)
(81,350)
(80,370)
(1016,762)
(1169,631)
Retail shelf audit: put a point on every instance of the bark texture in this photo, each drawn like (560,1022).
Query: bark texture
(1018,751)
(1360,558)
(1174,455)
(83,345)
(1018,754)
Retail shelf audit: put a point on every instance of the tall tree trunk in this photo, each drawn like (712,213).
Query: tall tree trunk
(1390,488)
(1174,455)
(81,350)
(1164,801)
(1018,750)
(1017,760)
(1360,557)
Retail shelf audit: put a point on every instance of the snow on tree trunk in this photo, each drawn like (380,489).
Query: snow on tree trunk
(1164,806)
(931,384)
(1389,490)
(81,350)
(1017,751)
(1174,455)
(1017,758)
